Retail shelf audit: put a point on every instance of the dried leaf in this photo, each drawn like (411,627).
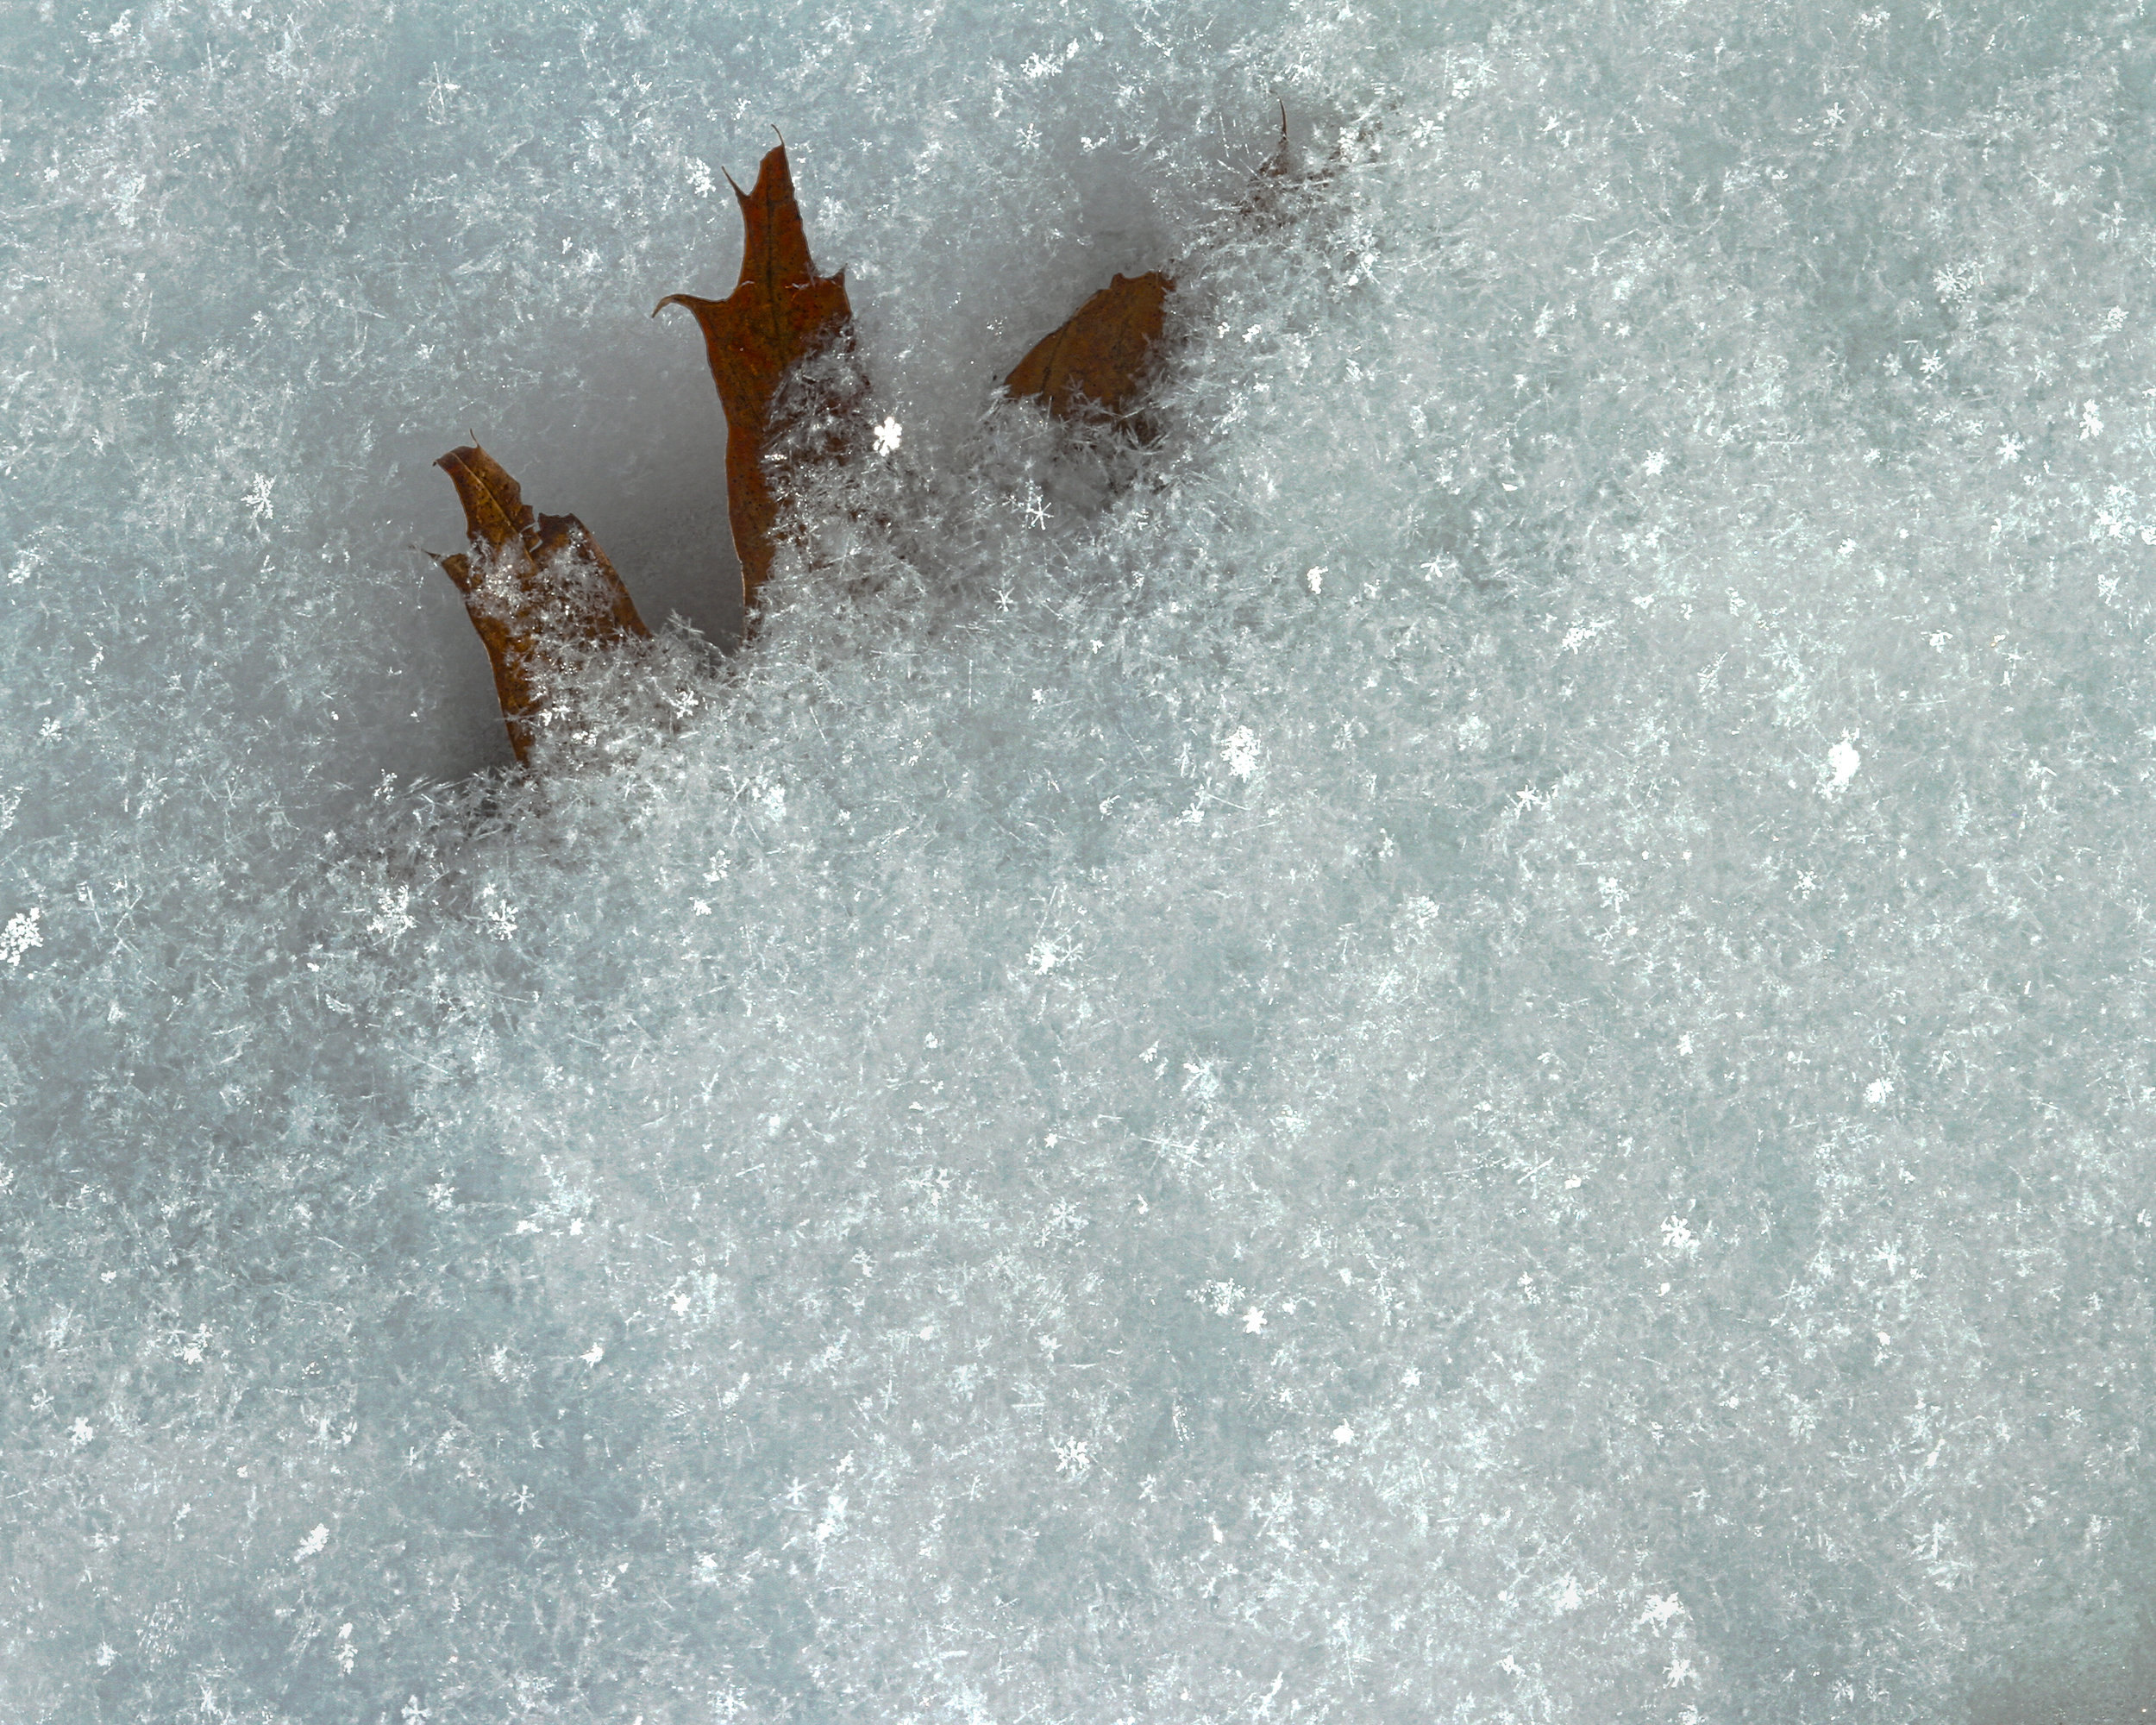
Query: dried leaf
(1101,354)
(539,590)
(779,313)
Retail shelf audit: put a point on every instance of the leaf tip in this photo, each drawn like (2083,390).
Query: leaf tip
(457,567)
(465,457)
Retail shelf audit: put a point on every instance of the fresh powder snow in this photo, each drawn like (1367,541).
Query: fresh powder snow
(1465,1039)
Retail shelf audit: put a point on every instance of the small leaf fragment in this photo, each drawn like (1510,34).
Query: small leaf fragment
(538,589)
(779,313)
(1101,354)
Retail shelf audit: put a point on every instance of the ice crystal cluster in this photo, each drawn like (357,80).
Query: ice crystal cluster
(1466,1041)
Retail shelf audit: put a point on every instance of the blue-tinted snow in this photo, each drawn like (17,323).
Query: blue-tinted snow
(1468,1044)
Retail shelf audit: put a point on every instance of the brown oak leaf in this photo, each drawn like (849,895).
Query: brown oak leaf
(1101,354)
(779,313)
(539,591)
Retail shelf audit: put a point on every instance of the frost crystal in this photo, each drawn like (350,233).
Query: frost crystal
(1843,760)
(20,935)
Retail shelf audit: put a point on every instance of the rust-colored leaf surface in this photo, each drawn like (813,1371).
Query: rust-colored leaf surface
(779,312)
(1101,354)
(539,590)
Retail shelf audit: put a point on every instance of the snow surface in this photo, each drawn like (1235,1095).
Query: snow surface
(1469,1043)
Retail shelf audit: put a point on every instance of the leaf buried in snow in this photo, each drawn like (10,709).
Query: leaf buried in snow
(538,589)
(1101,354)
(1264,203)
(779,313)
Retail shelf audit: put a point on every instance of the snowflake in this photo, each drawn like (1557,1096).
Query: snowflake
(888,437)
(1222,1294)
(394,918)
(1580,634)
(317,1537)
(1659,1610)
(20,935)
(1253,1322)
(1073,1458)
